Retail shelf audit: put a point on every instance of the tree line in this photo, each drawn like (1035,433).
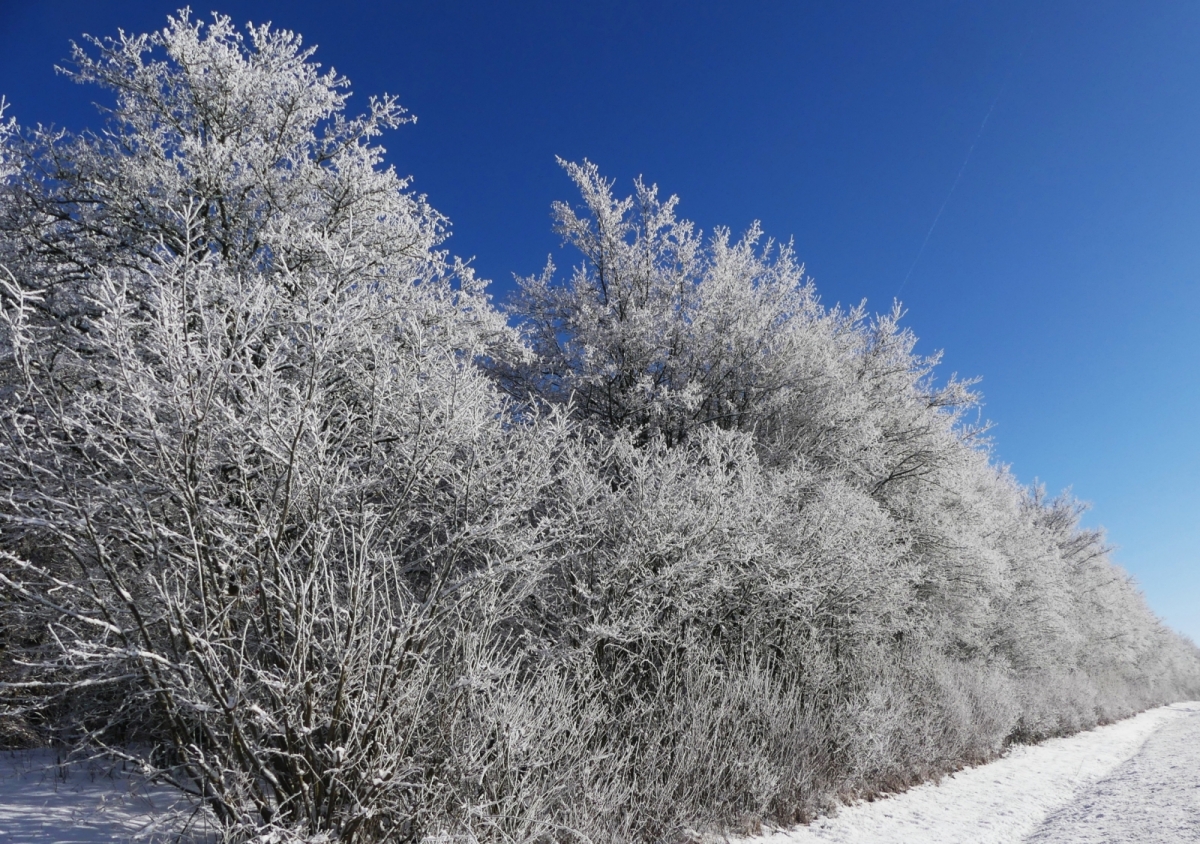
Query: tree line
(297,520)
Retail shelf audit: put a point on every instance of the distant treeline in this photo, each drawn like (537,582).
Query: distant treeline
(295,519)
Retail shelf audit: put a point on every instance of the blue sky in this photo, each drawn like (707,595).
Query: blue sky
(1064,267)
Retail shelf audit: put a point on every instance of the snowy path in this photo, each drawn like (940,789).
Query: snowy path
(1134,781)
(1154,798)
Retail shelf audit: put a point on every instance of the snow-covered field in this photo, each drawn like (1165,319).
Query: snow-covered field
(1135,781)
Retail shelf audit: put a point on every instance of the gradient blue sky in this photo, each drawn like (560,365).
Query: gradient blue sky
(1065,264)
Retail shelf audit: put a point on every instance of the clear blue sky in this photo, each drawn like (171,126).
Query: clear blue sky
(1064,267)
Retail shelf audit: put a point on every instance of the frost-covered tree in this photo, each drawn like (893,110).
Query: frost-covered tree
(946,618)
(264,523)
(659,330)
(262,507)
(226,143)
(294,522)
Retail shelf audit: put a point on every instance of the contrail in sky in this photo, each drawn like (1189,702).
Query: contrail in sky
(961,170)
(946,201)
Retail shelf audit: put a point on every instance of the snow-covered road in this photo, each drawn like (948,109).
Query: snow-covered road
(1134,782)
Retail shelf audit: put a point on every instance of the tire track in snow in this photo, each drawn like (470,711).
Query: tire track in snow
(1002,802)
(1153,798)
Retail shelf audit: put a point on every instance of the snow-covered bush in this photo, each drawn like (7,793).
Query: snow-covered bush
(265,509)
(273,515)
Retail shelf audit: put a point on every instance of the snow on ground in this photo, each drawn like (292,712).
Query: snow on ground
(1060,791)
(77,804)
(1153,798)
(1134,781)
